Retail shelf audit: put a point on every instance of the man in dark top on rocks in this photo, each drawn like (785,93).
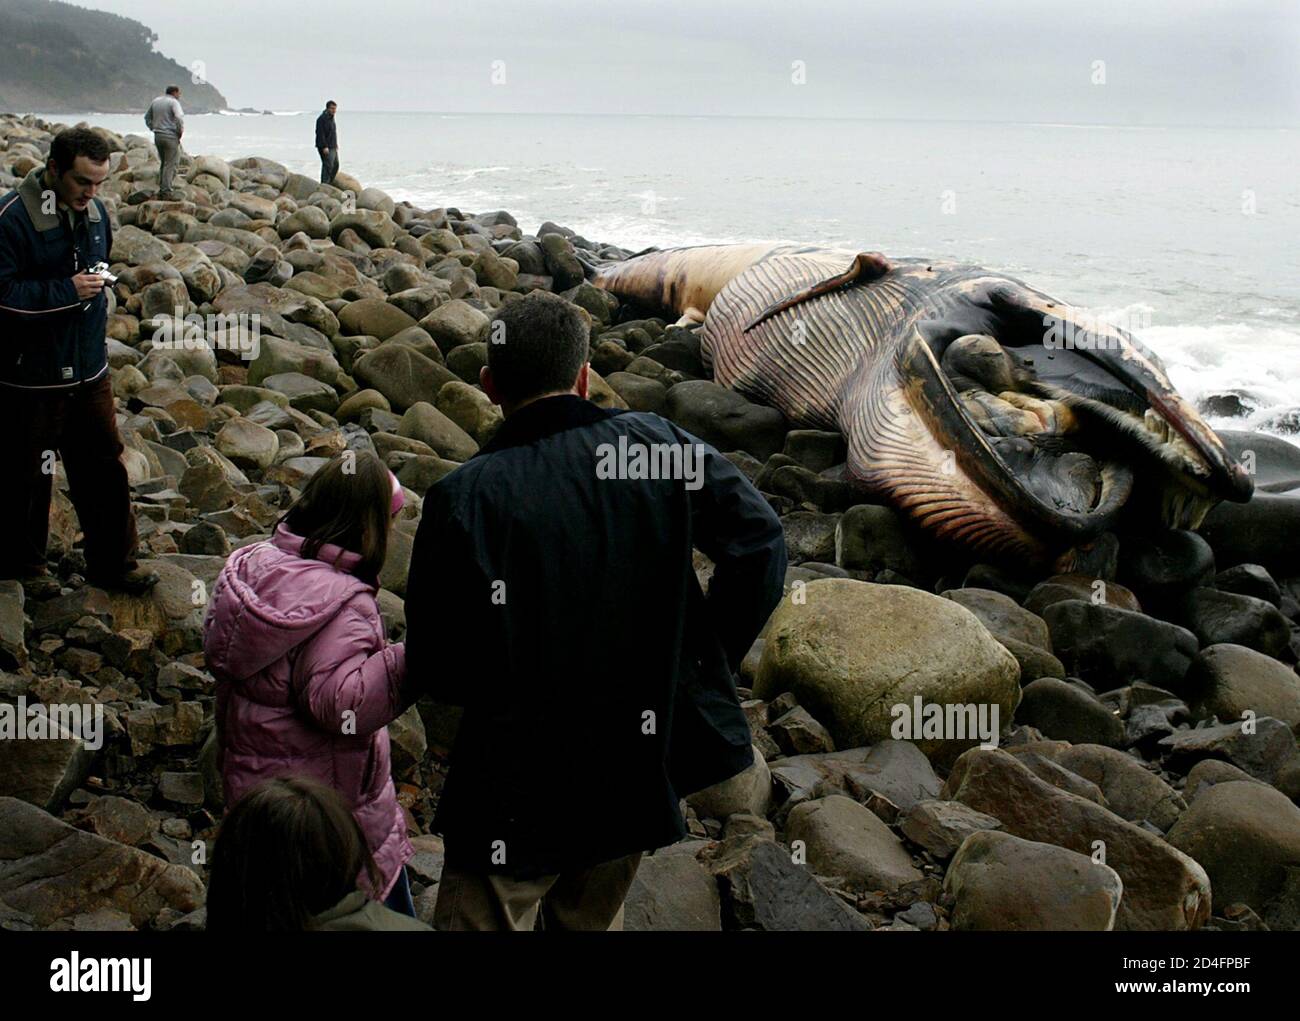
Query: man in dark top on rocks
(552,595)
(327,143)
(55,390)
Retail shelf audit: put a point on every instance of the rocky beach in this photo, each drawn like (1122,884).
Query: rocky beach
(1142,772)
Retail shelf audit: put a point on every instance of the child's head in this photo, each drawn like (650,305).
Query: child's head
(288,850)
(349,503)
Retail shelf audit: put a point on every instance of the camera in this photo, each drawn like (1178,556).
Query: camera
(100,269)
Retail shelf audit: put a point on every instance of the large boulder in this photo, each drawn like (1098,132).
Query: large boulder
(137,247)
(561,261)
(1228,618)
(374,198)
(50,871)
(164,298)
(1109,647)
(493,270)
(1163,887)
(310,220)
(456,323)
(1069,713)
(303,393)
(427,424)
(1132,791)
(196,269)
(1163,566)
(763,889)
(1003,616)
(747,793)
(470,408)
(871,538)
(247,444)
(672,892)
(1261,531)
(1245,835)
(213,165)
(44,767)
(403,375)
(859,656)
(1004,883)
(810,536)
(896,770)
(1061,587)
(1228,680)
(725,419)
(373,317)
(186,349)
(373,227)
(277,355)
(941,827)
(1261,745)
(638,393)
(845,840)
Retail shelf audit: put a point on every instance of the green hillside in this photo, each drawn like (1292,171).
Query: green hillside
(59,58)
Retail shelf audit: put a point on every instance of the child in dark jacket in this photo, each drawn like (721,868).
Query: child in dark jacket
(287,857)
(306,681)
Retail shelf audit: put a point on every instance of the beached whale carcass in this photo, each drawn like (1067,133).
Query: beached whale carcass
(990,413)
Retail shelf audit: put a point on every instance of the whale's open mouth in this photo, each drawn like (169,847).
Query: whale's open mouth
(1065,423)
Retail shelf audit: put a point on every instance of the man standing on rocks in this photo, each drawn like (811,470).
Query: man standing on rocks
(552,594)
(327,143)
(166,120)
(55,390)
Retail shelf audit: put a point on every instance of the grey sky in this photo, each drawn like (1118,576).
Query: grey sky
(1224,62)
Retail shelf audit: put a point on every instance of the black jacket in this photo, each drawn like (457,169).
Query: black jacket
(562,611)
(49,338)
(326,133)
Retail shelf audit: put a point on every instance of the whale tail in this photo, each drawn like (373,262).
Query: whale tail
(680,281)
(593,264)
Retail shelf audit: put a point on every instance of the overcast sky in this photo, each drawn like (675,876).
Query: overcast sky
(1222,62)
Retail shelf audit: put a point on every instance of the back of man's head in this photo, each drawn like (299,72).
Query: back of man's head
(173,90)
(537,345)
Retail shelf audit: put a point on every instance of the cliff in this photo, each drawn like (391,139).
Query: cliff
(59,58)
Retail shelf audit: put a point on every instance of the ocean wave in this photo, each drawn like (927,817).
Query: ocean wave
(1259,365)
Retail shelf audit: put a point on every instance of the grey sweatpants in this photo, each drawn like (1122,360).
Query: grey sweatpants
(169,151)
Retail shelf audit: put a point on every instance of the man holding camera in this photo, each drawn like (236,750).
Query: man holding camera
(55,390)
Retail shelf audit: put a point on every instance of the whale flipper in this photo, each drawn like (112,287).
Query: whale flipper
(865,266)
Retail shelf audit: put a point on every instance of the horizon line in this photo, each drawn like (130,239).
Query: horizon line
(252,112)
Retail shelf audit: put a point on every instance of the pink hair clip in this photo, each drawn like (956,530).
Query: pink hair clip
(399,499)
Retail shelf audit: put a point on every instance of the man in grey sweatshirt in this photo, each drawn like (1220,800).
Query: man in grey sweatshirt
(167,121)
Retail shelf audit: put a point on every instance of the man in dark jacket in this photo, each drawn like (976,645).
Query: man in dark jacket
(327,143)
(55,391)
(552,594)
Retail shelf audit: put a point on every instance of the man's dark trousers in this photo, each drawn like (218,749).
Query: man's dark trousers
(80,424)
(329,167)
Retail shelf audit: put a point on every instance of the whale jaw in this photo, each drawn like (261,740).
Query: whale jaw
(1075,444)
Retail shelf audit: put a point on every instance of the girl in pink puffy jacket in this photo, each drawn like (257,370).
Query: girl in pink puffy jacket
(306,682)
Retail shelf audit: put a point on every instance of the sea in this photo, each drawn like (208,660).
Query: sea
(1188,236)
